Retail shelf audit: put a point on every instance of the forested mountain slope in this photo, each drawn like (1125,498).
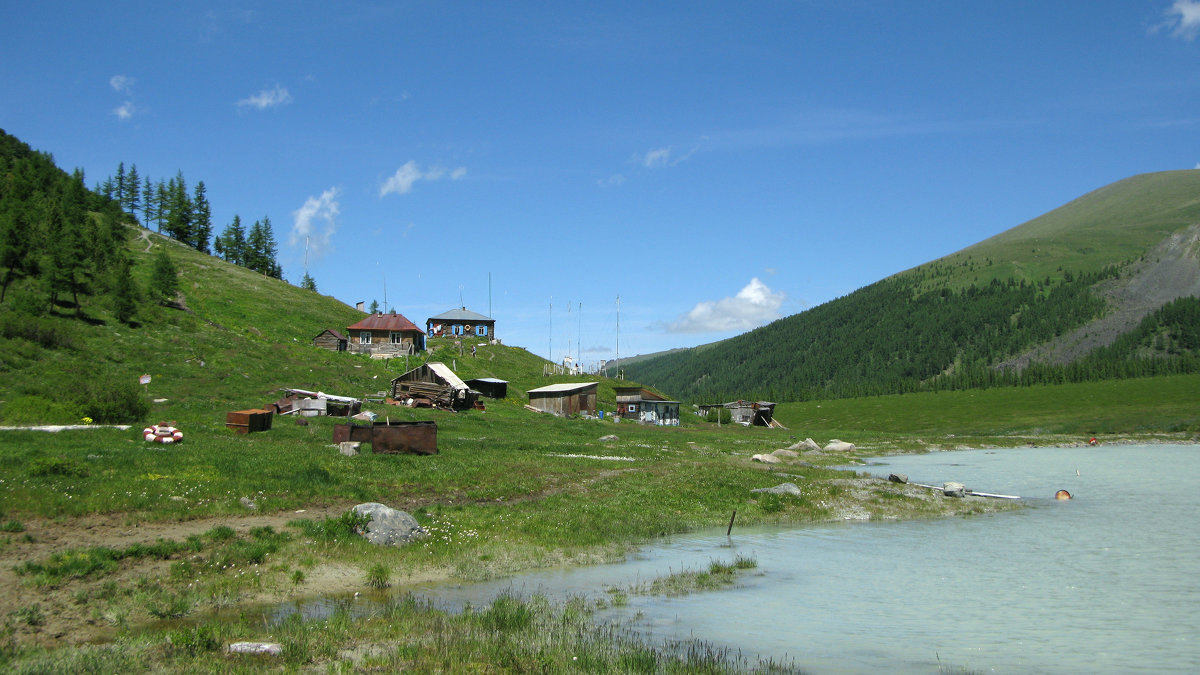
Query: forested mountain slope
(1031,304)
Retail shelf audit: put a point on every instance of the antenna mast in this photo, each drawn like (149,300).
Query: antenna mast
(618,359)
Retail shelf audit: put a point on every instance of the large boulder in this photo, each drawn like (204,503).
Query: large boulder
(806,444)
(786,453)
(766,459)
(954,489)
(839,446)
(388,526)
(781,489)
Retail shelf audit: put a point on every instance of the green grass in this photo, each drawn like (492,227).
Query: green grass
(1006,416)
(508,490)
(406,634)
(1113,224)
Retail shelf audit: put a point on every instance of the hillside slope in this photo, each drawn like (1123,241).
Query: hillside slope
(1049,291)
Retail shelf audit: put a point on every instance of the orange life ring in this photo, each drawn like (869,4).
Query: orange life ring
(162,433)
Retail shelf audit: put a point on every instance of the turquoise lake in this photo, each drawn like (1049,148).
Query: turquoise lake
(1108,582)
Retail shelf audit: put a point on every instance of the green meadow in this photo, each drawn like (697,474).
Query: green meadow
(121,554)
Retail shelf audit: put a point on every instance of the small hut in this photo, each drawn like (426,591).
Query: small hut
(572,398)
(436,383)
(489,386)
(660,412)
(332,340)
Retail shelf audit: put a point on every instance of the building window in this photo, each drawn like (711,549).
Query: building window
(364,338)
(396,337)
(481,330)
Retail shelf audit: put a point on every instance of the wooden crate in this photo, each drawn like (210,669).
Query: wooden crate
(247,421)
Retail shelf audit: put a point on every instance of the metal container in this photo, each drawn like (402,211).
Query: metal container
(391,438)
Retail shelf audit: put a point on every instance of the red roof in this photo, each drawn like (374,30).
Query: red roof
(389,322)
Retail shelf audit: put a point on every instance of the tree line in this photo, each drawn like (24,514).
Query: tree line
(904,335)
(63,246)
(186,216)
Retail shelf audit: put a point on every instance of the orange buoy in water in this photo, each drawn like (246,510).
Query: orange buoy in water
(1062,494)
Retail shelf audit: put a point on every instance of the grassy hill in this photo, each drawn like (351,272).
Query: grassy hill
(239,338)
(1049,300)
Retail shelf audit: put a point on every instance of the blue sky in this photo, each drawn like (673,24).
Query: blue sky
(715,165)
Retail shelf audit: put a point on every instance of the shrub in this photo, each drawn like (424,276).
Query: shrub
(110,400)
(48,467)
(32,409)
(379,576)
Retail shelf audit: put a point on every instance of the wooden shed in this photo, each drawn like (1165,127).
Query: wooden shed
(332,340)
(489,387)
(572,398)
(629,401)
(660,412)
(435,382)
(756,413)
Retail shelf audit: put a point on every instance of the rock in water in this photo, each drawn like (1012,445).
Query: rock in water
(388,526)
(952,489)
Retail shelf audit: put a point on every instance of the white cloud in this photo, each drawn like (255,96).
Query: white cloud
(125,111)
(402,181)
(752,307)
(1184,19)
(315,222)
(657,158)
(662,157)
(612,181)
(121,83)
(267,98)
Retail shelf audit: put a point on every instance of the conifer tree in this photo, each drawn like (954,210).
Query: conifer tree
(308,283)
(260,253)
(149,202)
(164,279)
(161,205)
(179,210)
(125,292)
(231,243)
(133,189)
(201,219)
(16,247)
(120,185)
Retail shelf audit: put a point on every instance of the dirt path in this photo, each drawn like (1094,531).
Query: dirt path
(68,613)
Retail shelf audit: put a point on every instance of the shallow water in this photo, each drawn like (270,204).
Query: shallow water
(1106,582)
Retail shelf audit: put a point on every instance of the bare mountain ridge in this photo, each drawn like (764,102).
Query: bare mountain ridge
(1169,271)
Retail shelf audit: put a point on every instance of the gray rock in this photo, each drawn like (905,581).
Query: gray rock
(609,438)
(782,489)
(786,452)
(388,526)
(766,459)
(839,446)
(245,501)
(898,477)
(271,648)
(952,489)
(349,448)
(804,445)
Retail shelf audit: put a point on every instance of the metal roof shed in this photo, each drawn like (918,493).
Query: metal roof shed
(569,398)
(489,386)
